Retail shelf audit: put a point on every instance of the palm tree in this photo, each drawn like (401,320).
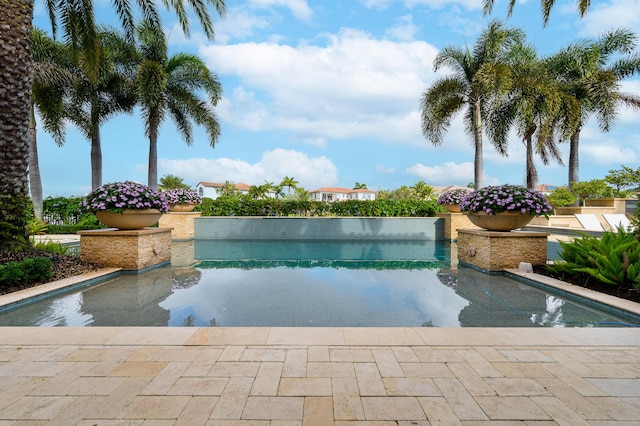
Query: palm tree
(290,183)
(52,77)
(359,185)
(93,102)
(587,72)
(531,104)
(422,191)
(172,86)
(16,64)
(448,95)
(258,191)
(547,5)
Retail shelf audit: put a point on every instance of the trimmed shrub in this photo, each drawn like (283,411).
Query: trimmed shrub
(28,271)
(246,206)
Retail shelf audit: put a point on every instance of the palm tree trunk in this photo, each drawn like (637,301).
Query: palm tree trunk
(574,162)
(152,172)
(15,91)
(532,173)
(35,181)
(96,159)
(477,139)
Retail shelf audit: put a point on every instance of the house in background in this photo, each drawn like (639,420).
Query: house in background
(545,189)
(331,194)
(210,189)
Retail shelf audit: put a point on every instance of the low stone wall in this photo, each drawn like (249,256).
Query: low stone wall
(302,228)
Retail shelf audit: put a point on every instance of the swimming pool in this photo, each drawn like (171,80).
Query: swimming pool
(338,284)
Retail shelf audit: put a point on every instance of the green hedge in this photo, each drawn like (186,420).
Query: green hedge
(29,270)
(245,206)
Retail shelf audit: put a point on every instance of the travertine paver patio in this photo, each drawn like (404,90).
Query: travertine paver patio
(210,376)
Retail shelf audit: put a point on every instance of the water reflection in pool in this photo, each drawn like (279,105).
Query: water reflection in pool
(395,285)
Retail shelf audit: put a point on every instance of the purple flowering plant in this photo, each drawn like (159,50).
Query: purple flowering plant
(182,196)
(453,196)
(119,196)
(506,198)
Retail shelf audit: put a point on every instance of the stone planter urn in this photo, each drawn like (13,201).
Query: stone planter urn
(182,208)
(503,221)
(452,208)
(129,219)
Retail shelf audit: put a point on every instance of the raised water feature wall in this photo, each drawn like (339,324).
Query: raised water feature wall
(318,228)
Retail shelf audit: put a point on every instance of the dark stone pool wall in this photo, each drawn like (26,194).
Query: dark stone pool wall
(318,228)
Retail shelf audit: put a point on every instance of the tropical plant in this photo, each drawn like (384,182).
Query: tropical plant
(258,192)
(590,72)
(227,190)
(561,197)
(171,86)
(612,259)
(118,196)
(359,185)
(171,182)
(462,90)
(623,181)
(506,198)
(453,196)
(290,183)
(594,188)
(422,191)
(36,227)
(546,5)
(92,102)
(182,196)
(530,102)
(16,65)
(52,77)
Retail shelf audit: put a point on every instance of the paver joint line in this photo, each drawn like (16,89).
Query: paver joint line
(76,376)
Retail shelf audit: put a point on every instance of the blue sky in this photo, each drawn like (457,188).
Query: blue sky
(328,92)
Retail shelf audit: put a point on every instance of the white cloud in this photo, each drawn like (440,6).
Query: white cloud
(376,4)
(439,4)
(310,172)
(449,173)
(606,152)
(353,87)
(605,16)
(405,30)
(299,8)
(385,170)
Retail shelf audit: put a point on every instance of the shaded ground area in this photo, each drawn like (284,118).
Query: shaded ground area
(64,266)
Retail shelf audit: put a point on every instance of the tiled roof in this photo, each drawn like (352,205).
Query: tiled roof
(337,190)
(238,186)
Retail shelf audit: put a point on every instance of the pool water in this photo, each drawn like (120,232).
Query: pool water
(238,283)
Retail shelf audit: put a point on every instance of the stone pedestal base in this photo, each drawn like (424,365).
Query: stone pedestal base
(495,251)
(130,250)
(183,253)
(181,224)
(453,222)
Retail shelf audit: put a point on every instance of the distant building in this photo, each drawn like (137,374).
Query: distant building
(210,189)
(331,194)
(545,188)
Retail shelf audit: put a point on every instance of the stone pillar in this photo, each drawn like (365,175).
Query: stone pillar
(181,224)
(183,253)
(130,250)
(453,222)
(495,251)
